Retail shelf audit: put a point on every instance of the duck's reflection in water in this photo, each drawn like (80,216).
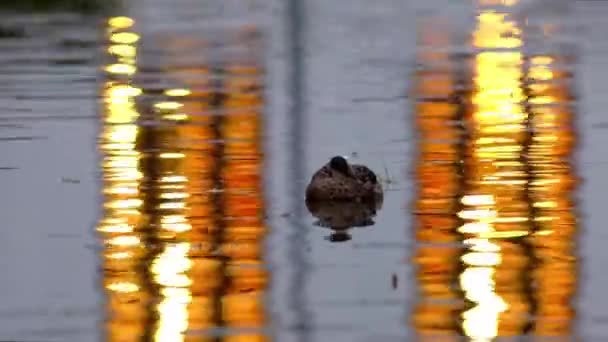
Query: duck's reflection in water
(341,216)
(495,209)
(183,209)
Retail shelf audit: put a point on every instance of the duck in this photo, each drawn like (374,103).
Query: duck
(340,181)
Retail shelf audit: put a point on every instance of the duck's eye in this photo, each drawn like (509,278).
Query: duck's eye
(373,178)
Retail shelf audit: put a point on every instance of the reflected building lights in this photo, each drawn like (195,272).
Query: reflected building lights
(439,175)
(243,198)
(122,222)
(183,216)
(498,122)
(502,187)
(551,192)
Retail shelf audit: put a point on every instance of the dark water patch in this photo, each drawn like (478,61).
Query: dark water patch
(72,61)
(13,126)
(227,332)
(379,99)
(70,180)
(16,110)
(83,6)
(77,43)
(54,97)
(47,117)
(71,75)
(40,61)
(23,138)
(12,32)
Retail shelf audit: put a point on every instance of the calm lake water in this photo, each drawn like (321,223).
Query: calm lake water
(155,160)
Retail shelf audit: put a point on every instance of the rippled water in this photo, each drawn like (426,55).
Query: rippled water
(155,161)
(496,211)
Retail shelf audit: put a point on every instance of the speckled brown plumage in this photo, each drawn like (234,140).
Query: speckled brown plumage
(353,182)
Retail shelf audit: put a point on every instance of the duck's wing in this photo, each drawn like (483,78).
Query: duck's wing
(333,188)
(323,172)
(364,174)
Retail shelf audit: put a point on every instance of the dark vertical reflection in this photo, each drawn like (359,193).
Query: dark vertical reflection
(298,239)
(495,174)
(183,222)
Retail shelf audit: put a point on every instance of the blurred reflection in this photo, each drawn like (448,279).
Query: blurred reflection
(123,225)
(551,191)
(495,210)
(183,209)
(439,172)
(495,205)
(243,216)
(341,216)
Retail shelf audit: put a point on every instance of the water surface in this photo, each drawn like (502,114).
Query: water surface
(155,161)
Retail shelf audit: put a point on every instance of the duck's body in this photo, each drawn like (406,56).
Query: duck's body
(338,180)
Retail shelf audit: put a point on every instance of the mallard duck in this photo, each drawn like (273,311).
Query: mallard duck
(339,180)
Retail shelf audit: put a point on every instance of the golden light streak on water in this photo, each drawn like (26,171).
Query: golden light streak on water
(183,166)
(245,229)
(552,195)
(122,222)
(494,173)
(438,170)
(498,122)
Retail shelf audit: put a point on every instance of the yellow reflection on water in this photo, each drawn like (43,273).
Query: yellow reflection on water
(243,200)
(120,68)
(122,222)
(177,92)
(498,134)
(183,202)
(120,22)
(169,270)
(438,173)
(551,191)
(501,185)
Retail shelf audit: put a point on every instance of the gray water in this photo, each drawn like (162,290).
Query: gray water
(243,256)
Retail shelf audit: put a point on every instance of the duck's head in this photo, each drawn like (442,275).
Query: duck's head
(339,164)
(373,178)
